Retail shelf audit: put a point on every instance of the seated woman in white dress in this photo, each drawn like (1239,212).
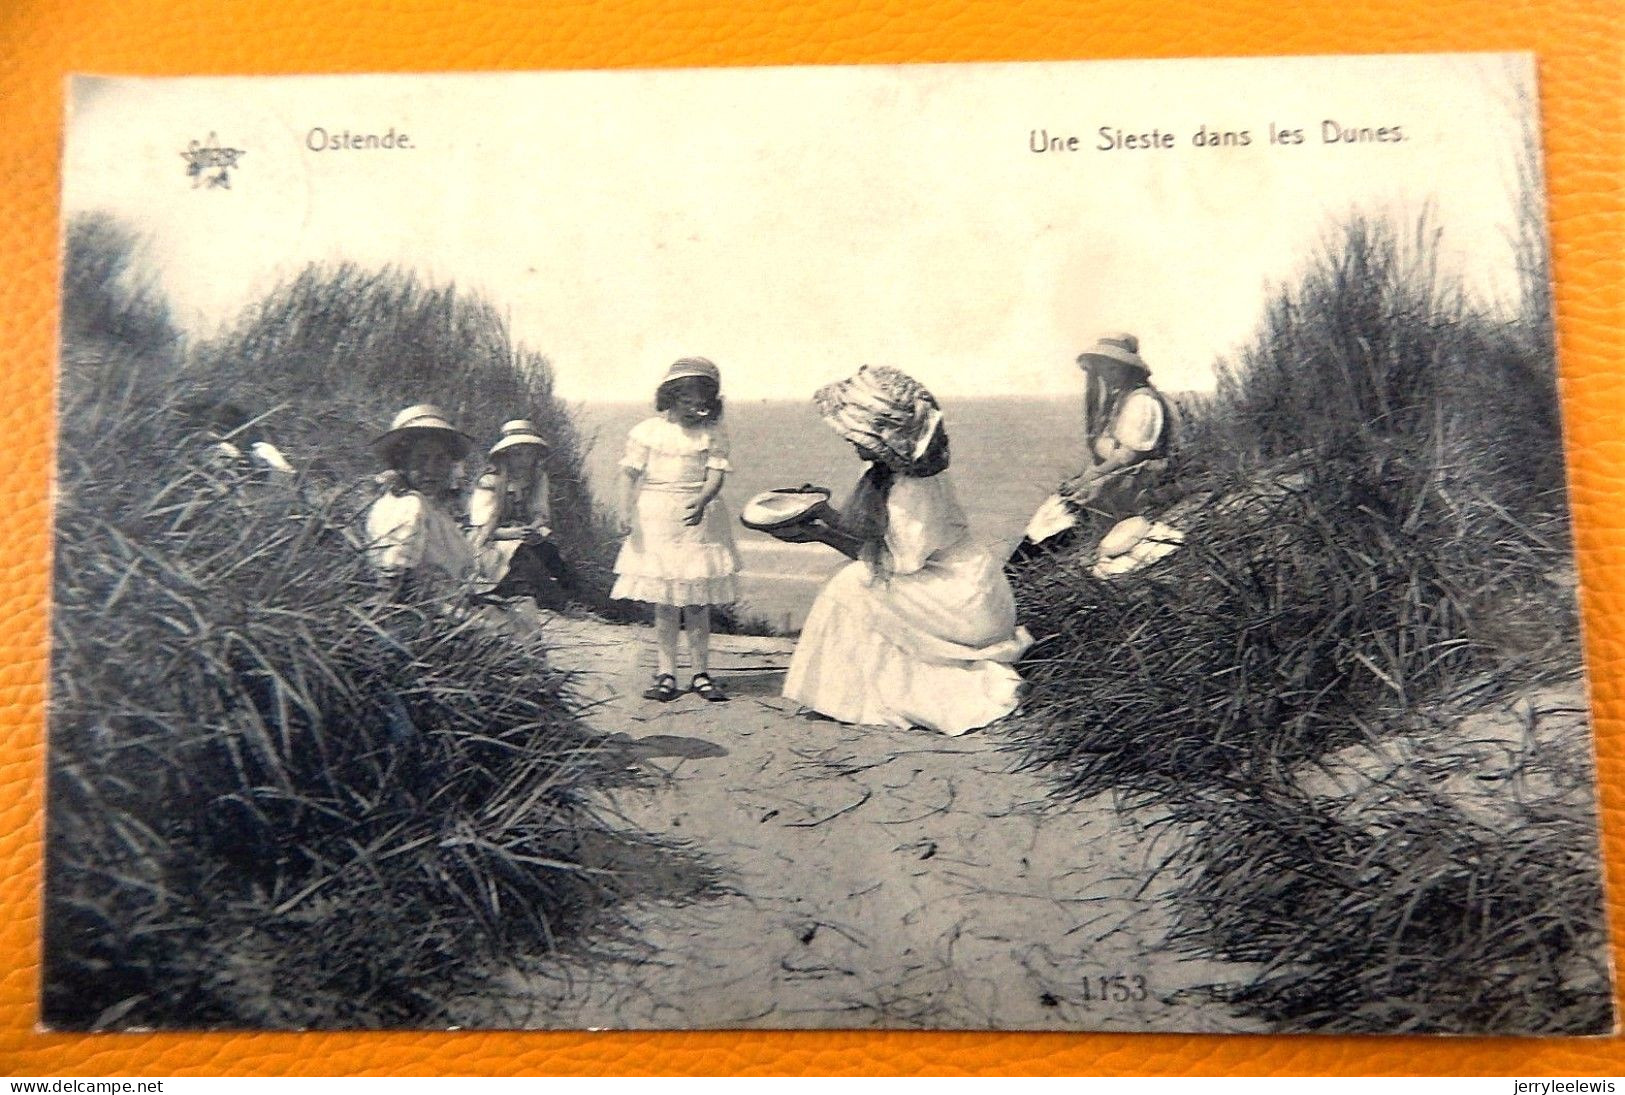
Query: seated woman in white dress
(920,630)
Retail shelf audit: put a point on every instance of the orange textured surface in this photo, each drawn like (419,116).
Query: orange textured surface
(1579,44)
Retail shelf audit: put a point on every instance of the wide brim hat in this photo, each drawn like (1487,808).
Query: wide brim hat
(1118,348)
(520,431)
(686,367)
(418,421)
(775,509)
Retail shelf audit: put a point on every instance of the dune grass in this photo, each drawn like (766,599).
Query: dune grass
(1377,541)
(349,346)
(277,798)
(346,347)
(1405,899)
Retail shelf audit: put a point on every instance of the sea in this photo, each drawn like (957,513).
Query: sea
(1008,455)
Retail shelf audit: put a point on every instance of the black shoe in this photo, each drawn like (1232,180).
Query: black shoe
(707,689)
(663,690)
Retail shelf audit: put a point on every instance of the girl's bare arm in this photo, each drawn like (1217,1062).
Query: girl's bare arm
(485,511)
(627,503)
(712,487)
(544,499)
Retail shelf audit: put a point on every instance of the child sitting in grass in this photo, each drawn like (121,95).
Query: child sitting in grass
(238,439)
(410,528)
(510,517)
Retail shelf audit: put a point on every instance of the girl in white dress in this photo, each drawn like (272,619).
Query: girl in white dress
(920,630)
(679,554)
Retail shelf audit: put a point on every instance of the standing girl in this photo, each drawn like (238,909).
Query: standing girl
(679,553)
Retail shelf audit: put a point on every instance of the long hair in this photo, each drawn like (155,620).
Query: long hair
(866,517)
(1104,391)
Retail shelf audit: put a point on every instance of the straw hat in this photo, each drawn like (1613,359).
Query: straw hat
(693,366)
(520,431)
(1119,348)
(422,420)
(775,509)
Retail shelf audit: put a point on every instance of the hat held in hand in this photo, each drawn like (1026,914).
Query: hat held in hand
(781,508)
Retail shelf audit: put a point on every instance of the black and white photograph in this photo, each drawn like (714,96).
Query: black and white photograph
(1062,546)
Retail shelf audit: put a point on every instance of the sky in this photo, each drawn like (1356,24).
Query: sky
(792,224)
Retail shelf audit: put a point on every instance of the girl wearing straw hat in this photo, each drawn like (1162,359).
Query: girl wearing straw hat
(1126,420)
(510,519)
(921,629)
(679,553)
(410,528)
(1128,426)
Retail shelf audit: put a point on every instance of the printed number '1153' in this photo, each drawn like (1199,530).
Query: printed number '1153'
(1118,988)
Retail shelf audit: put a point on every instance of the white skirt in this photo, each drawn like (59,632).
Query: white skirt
(932,649)
(666,562)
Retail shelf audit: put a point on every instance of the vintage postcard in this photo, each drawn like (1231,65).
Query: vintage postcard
(1064,546)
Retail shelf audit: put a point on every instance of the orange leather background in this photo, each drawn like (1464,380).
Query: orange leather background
(1582,57)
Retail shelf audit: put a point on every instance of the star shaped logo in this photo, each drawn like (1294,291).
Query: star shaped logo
(208,163)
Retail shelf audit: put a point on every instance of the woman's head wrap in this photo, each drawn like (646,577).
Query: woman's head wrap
(891,416)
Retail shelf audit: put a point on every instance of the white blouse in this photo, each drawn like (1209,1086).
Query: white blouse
(673,457)
(406,531)
(1137,425)
(923,521)
(484,505)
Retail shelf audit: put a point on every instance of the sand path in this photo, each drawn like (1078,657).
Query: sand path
(866,877)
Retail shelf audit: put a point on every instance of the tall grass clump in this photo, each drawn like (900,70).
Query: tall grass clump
(1409,899)
(351,346)
(1377,541)
(276,797)
(1291,615)
(105,298)
(1343,497)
